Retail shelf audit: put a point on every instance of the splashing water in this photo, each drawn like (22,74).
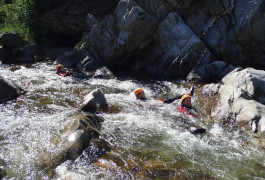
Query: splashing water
(146,141)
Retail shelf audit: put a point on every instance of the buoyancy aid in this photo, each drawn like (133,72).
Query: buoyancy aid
(183,109)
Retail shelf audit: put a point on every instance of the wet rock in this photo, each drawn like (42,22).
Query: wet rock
(104,73)
(242,94)
(11,40)
(211,89)
(8,90)
(73,139)
(93,101)
(2,173)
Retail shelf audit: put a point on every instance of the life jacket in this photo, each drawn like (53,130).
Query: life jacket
(183,109)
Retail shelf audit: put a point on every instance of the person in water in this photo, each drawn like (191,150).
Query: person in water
(61,71)
(139,94)
(185,108)
(185,105)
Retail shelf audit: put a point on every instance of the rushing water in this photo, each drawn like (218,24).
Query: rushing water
(145,139)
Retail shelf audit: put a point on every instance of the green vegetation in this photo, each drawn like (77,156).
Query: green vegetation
(19,16)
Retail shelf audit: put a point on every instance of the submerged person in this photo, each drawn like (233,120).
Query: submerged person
(185,107)
(140,95)
(61,71)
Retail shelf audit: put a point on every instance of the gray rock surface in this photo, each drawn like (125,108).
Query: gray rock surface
(93,101)
(175,37)
(242,99)
(104,73)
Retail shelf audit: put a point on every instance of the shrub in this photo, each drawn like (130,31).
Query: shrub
(19,16)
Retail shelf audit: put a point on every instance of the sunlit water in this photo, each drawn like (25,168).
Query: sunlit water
(145,139)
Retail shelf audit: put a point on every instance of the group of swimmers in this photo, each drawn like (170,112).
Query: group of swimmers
(185,105)
(185,99)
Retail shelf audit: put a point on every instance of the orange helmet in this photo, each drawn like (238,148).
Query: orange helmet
(57,68)
(138,90)
(184,97)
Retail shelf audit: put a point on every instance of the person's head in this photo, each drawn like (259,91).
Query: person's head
(59,68)
(186,100)
(139,93)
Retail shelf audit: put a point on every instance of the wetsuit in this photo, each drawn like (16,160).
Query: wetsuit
(170,100)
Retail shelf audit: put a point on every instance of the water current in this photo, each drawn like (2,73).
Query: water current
(146,141)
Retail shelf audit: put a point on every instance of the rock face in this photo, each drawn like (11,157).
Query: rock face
(8,90)
(242,99)
(73,140)
(67,19)
(174,38)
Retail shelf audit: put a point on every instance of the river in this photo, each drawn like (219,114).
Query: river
(145,139)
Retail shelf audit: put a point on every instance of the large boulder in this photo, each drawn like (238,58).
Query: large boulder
(95,100)
(25,53)
(241,99)
(11,40)
(15,50)
(2,173)
(74,138)
(8,90)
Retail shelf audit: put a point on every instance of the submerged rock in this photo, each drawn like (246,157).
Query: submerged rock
(73,139)
(2,173)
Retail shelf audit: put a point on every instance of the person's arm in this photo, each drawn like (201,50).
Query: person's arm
(192,91)
(170,100)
